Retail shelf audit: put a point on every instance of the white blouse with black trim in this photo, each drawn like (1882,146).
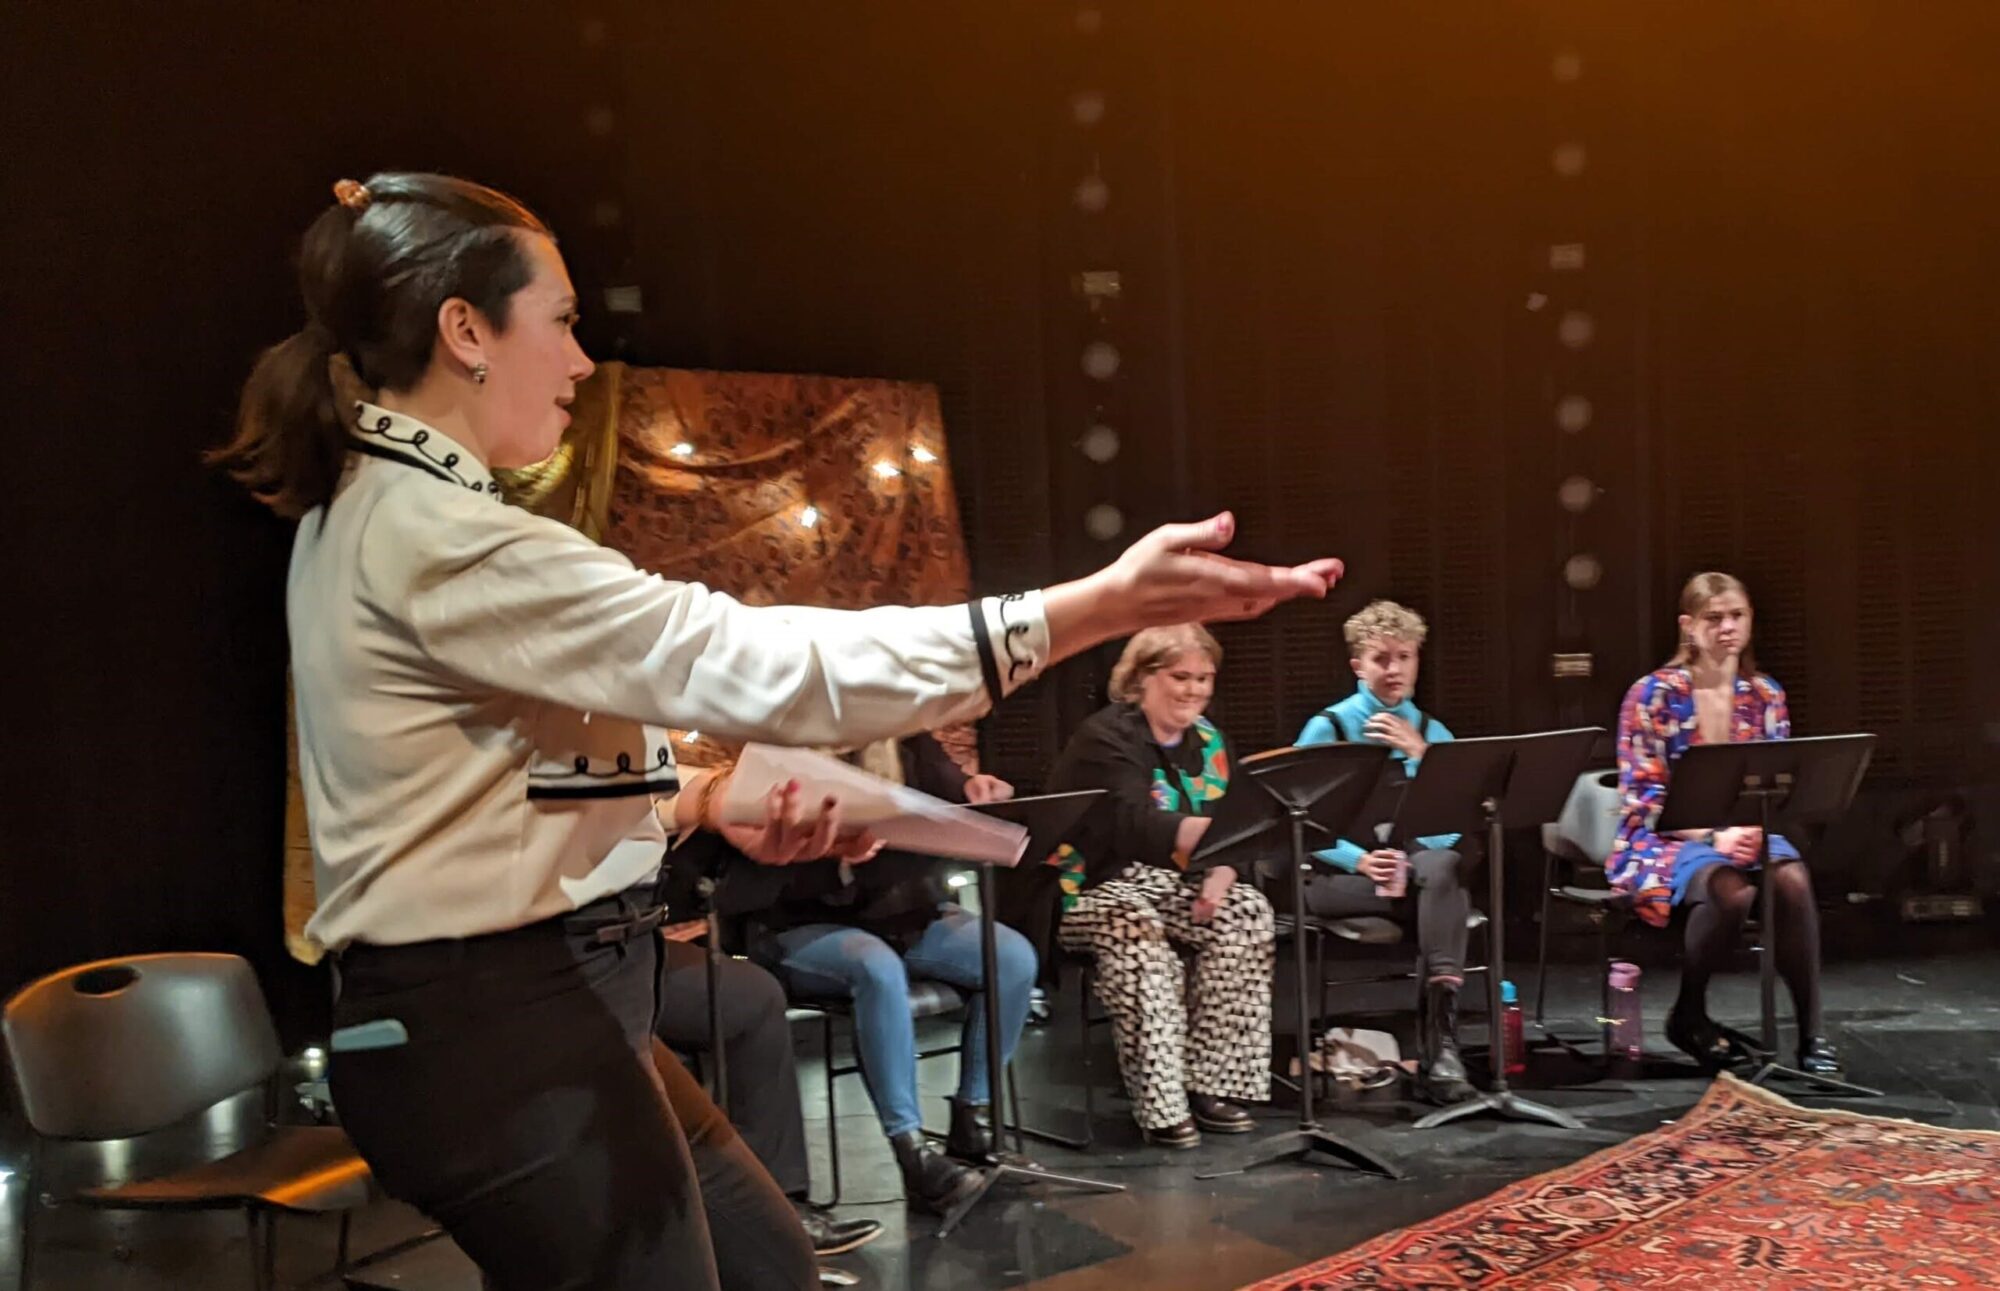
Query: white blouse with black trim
(481,692)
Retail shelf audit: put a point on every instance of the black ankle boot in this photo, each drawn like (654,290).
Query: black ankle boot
(1440,1070)
(931,1182)
(971,1136)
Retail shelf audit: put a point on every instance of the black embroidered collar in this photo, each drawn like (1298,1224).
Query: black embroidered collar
(396,438)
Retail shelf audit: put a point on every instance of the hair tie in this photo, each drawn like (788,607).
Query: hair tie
(352,194)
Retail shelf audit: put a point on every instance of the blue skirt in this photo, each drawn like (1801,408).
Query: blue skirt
(1693,858)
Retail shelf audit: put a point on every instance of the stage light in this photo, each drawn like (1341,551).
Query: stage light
(1576,494)
(1091,194)
(958,880)
(1569,159)
(1099,443)
(1583,571)
(682,450)
(1100,360)
(1090,20)
(1086,107)
(1572,413)
(606,214)
(886,470)
(594,31)
(809,516)
(1566,257)
(921,454)
(1566,66)
(601,121)
(1576,329)
(1104,522)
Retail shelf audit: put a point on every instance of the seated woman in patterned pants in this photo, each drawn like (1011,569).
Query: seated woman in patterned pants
(1192,1041)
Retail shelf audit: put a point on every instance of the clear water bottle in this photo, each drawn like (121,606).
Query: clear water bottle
(1627,1024)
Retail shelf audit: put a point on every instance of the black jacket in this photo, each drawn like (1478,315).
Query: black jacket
(1115,750)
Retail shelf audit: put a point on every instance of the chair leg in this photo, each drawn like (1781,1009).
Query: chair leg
(340,1251)
(1014,1103)
(31,1203)
(832,1107)
(1604,985)
(257,1235)
(1542,958)
(1089,1072)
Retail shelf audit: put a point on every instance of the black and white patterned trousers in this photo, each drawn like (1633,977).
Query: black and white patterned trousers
(1208,1031)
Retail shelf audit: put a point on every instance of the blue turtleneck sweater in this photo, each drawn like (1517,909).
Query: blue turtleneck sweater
(1354,712)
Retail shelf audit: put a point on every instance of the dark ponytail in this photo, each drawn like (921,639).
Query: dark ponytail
(373,270)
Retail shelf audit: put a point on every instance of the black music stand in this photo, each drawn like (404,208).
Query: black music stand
(717,1058)
(1460,787)
(1317,791)
(1049,820)
(1803,782)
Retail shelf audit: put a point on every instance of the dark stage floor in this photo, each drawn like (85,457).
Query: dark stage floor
(1922,1022)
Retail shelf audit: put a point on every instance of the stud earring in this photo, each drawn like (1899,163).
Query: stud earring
(479,373)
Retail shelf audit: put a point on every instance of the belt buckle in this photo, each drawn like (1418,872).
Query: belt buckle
(626,929)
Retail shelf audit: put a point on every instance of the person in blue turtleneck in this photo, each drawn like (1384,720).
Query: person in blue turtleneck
(1383,642)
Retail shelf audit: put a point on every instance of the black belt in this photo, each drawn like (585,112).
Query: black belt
(613,931)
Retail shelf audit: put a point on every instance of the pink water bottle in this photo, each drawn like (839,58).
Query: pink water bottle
(1512,1041)
(1627,1025)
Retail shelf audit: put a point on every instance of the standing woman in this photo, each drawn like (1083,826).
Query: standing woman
(480,697)
(1710,692)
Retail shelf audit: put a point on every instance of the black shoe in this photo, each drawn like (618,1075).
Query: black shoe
(931,1182)
(1219,1116)
(1818,1057)
(1705,1040)
(1186,1134)
(831,1236)
(971,1136)
(1441,1078)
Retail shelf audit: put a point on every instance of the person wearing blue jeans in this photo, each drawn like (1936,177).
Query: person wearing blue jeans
(865,931)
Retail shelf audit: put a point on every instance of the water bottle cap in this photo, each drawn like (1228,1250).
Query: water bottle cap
(1624,976)
(1507,995)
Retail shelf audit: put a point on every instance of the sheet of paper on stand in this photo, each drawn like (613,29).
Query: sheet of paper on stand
(898,815)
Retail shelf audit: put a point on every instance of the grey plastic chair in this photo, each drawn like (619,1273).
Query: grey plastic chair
(1582,839)
(124,1047)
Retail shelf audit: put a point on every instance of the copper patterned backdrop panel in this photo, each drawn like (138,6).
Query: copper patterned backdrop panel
(796,490)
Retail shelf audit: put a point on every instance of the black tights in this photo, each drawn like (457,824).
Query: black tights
(1719,901)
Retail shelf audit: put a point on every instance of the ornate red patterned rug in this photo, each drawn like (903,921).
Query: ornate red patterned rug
(1746,1190)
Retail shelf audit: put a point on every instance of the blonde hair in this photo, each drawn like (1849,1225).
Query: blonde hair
(1700,590)
(1154,649)
(1384,620)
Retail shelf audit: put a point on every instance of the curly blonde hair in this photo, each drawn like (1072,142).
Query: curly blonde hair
(1384,620)
(1154,649)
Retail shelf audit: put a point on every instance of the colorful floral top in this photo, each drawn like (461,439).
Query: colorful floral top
(1656,724)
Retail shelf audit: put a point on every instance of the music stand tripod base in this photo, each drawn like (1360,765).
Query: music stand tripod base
(1047,819)
(1826,1086)
(1501,1102)
(993,1174)
(1309,1144)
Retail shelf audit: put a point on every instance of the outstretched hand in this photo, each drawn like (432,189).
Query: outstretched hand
(1177,574)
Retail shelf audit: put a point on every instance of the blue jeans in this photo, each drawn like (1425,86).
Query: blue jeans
(830,959)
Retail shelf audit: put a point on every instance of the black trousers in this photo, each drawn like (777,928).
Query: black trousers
(532,1112)
(1437,901)
(757,1049)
